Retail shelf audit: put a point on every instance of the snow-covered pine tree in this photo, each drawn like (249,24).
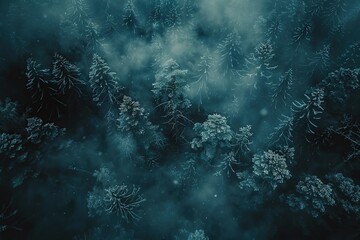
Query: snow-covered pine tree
(274,26)
(129,17)
(283,133)
(66,75)
(103,83)
(202,76)
(78,13)
(133,120)
(41,85)
(351,56)
(212,136)
(9,116)
(168,89)
(258,65)
(282,88)
(347,193)
(271,168)
(334,11)
(110,27)
(312,196)
(340,86)
(92,38)
(173,18)
(107,197)
(230,55)
(320,61)
(302,33)
(308,113)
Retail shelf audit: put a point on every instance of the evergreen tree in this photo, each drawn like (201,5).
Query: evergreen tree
(40,83)
(66,75)
(134,120)
(302,33)
(202,76)
(281,89)
(230,55)
(9,116)
(129,17)
(168,89)
(274,27)
(92,38)
(211,136)
(173,18)
(258,67)
(347,193)
(78,13)
(320,61)
(351,56)
(227,164)
(307,113)
(132,117)
(110,26)
(340,86)
(107,197)
(103,83)
(283,133)
(335,10)
(312,196)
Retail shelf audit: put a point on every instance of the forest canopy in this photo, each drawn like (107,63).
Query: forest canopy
(179,119)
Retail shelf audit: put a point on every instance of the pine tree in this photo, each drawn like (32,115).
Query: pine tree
(129,18)
(271,167)
(281,89)
(9,116)
(155,19)
(110,26)
(316,8)
(202,76)
(258,67)
(66,75)
(349,130)
(230,55)
(103,83)
(335,10)
(347,193)
(198,235)
(242,139)
(123,202)
(340,86)
(294,9)
(227,164)
(274,27)
(92,38)
(283,133)
(78,13)
(39,132)
(40,83)
(212,136)
(309,112)
(107,197)
(132,117)
(302,33)
(320,61)
(312,196)
(173,18)
(8,221)
(168,89)
(351,56)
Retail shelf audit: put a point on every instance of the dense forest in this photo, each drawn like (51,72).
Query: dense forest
(179,119)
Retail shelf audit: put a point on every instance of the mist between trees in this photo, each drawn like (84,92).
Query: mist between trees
(179,119)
